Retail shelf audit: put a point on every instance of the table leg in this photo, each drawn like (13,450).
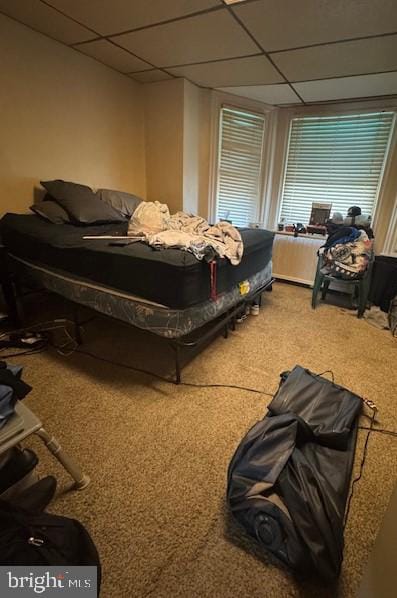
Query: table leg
(67,462)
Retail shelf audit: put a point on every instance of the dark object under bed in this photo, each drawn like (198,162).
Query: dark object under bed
(288,481)
(170,277)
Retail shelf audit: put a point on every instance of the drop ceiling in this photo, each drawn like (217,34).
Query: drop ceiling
(277,51)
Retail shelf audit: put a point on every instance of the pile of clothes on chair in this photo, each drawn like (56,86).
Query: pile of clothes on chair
(349,246)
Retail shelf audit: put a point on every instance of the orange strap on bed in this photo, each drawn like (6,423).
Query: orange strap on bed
(212,266)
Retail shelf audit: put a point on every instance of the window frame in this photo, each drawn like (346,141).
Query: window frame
(221,100)
(276,147)
(390,245)
(340,110)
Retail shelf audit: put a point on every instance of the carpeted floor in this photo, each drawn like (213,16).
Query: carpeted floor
(158,454)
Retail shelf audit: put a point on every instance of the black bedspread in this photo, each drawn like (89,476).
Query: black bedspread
(171,277)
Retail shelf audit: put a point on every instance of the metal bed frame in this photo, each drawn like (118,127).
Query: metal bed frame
(13,293)
(224,322)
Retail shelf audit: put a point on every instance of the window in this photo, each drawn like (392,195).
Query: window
(239,165)
(337,160)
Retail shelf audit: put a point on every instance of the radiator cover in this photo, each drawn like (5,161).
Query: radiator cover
(295,258)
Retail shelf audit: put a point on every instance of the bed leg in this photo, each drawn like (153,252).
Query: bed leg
(18,308)
(177,350)
(77,327)
(233,323)
(13,303)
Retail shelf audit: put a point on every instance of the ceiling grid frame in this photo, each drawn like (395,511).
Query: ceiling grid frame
(264,52)
(156,70)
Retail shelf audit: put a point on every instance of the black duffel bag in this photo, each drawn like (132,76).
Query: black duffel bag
(43,539)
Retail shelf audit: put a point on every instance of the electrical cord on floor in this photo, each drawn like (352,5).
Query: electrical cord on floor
(27,352)
(361,469)
(167,380)
(379,430)
(216,385)
(44,327)
(326,372)
(74,349)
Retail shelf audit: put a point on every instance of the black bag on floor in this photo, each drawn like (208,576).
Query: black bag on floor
(392,316)
(18,463)
(289,479)
(43,539)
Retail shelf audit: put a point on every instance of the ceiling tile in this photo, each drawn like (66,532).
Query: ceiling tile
(113,56)
(42,18)
(114,16)
(150,76)
(348,87)
(290,24)
(333,60)
(194,39)
(239,71)
(270,94)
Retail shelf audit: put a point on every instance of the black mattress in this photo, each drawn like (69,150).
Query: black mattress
(171,277)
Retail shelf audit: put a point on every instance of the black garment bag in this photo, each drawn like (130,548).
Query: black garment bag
(289,479)
(30,538)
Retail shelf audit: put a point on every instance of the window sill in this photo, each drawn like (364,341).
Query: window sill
(305,235)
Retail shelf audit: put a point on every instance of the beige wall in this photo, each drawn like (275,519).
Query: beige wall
(64,115)
(196,149)
(164,123)
(177,124)
(191,147)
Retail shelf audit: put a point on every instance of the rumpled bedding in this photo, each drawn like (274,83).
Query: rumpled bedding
(160,229)
(347,259)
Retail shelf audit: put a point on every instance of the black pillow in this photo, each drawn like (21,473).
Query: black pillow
(59,189)
(81,203)
(125,203)
(51,211)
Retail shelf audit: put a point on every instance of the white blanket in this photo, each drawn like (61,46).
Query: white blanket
(185,231)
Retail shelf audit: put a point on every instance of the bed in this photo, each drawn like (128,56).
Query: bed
(166,292)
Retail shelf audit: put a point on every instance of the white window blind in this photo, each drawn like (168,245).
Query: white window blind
(239,165)
(335,159)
